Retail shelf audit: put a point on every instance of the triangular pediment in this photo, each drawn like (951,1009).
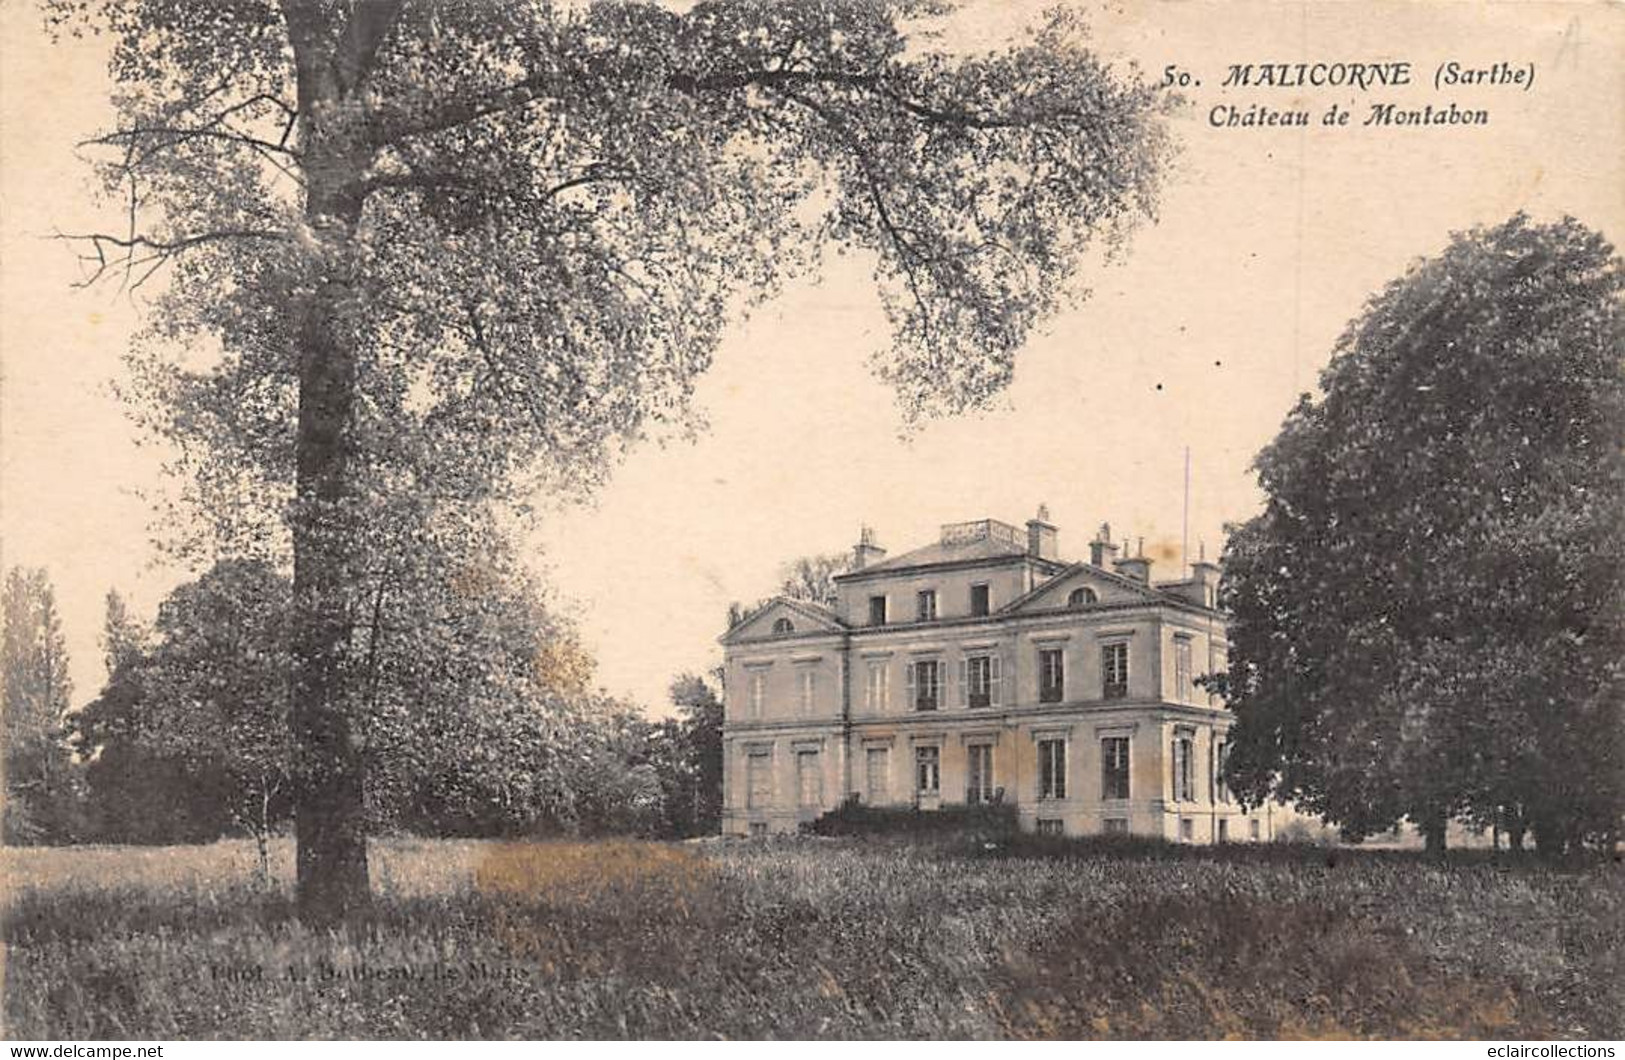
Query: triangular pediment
(783,617)
(1105,586)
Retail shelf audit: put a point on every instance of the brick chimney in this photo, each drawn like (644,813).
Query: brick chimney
(1101,550)
(867,551)
(1042,537)
(1205,575)
(1137,566)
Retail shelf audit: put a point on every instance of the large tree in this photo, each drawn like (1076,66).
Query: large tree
(420,247)
(692,755)
(143,784)
(1427,617)
(478,716)
(35,687)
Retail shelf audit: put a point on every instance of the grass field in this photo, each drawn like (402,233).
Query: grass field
(813,938)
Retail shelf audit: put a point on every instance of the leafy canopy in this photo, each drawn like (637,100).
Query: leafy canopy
(1427,616)
(546,213)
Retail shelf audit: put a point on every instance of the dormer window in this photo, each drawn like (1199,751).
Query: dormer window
(1081,598)
(784,625)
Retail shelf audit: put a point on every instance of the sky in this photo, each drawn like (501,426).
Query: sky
(1200,336)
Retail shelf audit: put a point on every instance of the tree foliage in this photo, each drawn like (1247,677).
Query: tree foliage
(1427,614)
(36,689)
(428,248)
(809,578)
(482,721)
(692,763)
(143,785)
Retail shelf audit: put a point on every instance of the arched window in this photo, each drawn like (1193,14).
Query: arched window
(1081,597)
(784,625)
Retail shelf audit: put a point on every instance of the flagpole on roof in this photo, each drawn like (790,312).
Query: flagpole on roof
(1185,522)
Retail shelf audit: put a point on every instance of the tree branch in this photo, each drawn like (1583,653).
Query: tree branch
(908,256)
(158,251)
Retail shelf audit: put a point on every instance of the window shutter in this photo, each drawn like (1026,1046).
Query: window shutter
(964,685)
(908,671)
(993,679)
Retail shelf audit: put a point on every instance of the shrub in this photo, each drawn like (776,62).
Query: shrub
(982,821)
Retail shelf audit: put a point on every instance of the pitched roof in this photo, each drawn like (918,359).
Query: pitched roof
(937,552)
(1098,573)
(826,617)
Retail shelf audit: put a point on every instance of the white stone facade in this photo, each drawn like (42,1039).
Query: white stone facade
(984,668)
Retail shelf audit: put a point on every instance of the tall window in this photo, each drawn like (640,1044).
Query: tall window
(1052,769)
(1080,597)
(876,770)
(1114,671)
(1114,767)
(874,695)
(925,684)
(809,780)
(1184,768)
(925,605)
(1051,675)
(1182,668)
(978,600)
(979,681)
(927,770)
(1221,790)
(877,610)
(758,692)
(758,780)
(979,773)
(808,680)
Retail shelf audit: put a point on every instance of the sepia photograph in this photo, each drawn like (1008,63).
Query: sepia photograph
(802,520)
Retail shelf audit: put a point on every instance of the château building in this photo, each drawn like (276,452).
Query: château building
(981,668)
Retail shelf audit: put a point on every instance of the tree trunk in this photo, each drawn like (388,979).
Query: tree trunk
(262,834)
(329,798)
(329,791)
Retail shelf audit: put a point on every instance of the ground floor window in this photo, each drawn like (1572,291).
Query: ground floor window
(1116,826)
(1187,829)
(758,781)
(809,780)
(979,773)
(927,770)
(1050,826)
(1224,830)
(758,828)
(876,763)
(1052,769)
(1184,768)
(1252,830)
(1114,767)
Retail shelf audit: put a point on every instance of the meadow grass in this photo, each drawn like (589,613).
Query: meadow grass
(813,939)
